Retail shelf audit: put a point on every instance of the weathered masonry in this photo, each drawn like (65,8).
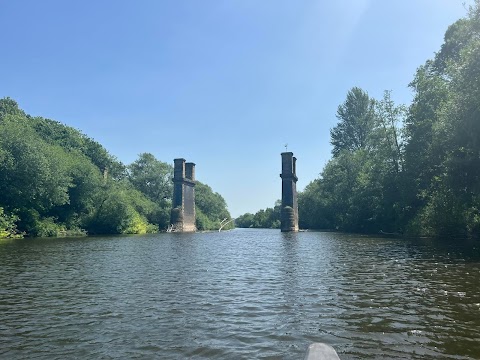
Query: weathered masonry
(183,205)
(289,212)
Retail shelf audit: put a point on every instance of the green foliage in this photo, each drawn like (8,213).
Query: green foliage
(202,222)
(120,209)
(8,227)
(139,225)
(55,181)
(152,177)
(210,208)
(268,218)
(244,221)
(32,173)
(313,207)
(356,119)
(9,106)
(393,170)
(71,139)
(48,227)
(443,152)
(386,138)
(422,178)
(360,188)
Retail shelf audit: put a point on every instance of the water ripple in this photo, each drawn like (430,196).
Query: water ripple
(241,294)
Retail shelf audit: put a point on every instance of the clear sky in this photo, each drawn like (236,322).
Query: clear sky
(239,78)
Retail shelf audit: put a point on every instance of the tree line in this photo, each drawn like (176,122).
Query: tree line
(55,180)
(267,219)
(407,169)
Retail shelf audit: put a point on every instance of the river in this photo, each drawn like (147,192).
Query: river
(241,294)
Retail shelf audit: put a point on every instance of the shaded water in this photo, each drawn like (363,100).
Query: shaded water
(242,294)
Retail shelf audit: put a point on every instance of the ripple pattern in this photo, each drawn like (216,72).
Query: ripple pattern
(242,294)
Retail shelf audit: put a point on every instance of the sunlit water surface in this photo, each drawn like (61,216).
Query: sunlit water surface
(242,294)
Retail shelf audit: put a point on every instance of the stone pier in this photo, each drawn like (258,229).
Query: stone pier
(183,205)
(289,211)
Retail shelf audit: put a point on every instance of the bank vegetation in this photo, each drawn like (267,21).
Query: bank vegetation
(56,181)
(406,169)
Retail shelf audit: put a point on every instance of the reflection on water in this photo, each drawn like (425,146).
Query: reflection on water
(240,294)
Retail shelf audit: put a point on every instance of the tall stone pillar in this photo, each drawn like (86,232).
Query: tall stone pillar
(289,211)
(183,205)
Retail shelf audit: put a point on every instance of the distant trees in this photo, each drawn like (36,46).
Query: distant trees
(54,180)
(268,218)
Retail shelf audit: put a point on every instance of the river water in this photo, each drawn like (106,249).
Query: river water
(241,294)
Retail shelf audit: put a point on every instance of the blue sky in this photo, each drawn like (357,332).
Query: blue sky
(240,78)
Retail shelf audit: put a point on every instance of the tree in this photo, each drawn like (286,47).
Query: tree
(211,208)
(120,209)
(33,174)
(72,140)
(244,221)
(388,139)
(443,150)
(360,188)
(54,180)
(8,106)
(268,218)
(152,177)
(356,120)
